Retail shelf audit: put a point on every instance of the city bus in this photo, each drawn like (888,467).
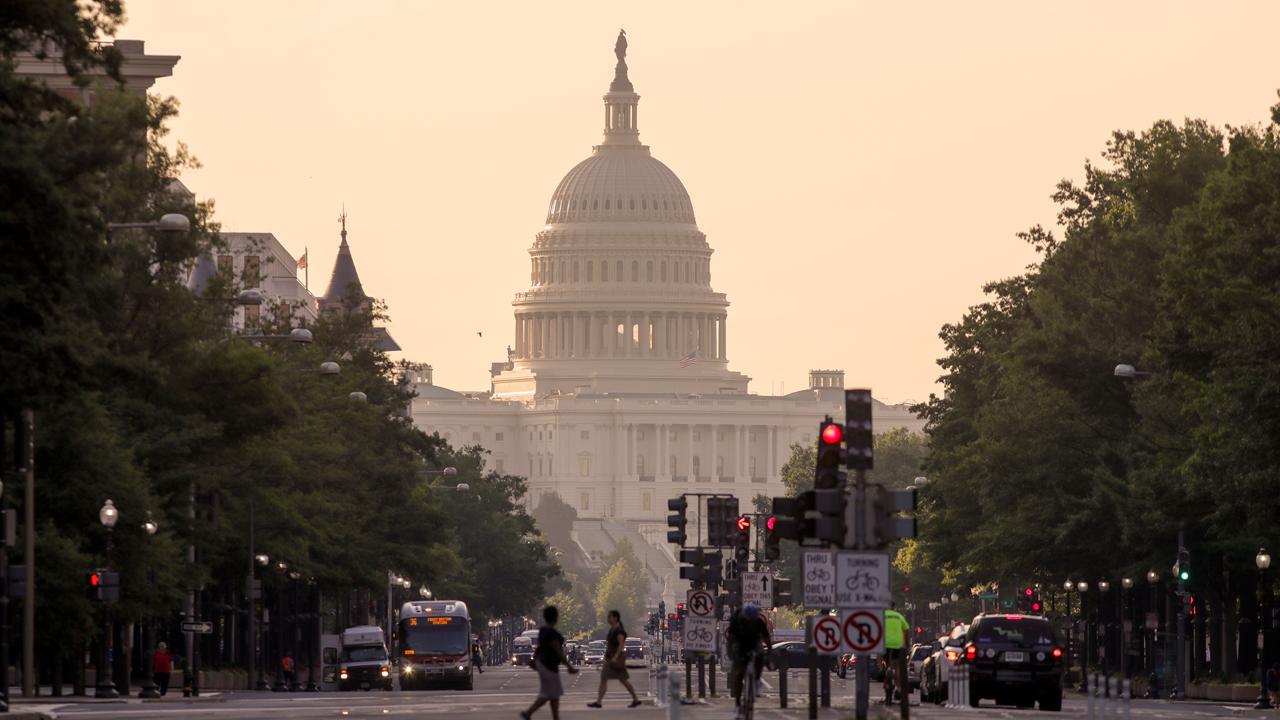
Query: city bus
(434,645)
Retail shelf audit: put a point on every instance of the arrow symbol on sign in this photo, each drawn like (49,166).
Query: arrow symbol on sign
(764,583)
(829,636)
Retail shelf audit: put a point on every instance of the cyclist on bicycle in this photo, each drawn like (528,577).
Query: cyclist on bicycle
(896,631)
(747,634)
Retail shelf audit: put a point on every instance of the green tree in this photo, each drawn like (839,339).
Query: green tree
(624,586)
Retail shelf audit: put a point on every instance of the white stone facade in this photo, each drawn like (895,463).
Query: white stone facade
(617,394)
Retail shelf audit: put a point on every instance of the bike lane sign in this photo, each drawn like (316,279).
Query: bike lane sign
(819,579)
(862,580)
(699,634)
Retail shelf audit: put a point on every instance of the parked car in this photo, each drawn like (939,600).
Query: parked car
(933,680)
(919,653)
(1015,660)
(848,665)
(796,655)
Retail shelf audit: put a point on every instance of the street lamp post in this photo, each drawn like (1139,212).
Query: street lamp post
(1153,579)
(108,515)
(149,690)
(1126,623)
(1086,652)
(256,654)
(1263,561)
(1105,619)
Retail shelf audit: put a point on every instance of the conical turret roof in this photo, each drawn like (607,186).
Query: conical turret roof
(344,274)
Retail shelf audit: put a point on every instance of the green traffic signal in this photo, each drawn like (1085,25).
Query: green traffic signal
(1184,575)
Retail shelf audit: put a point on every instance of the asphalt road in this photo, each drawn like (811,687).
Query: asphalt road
(504,692)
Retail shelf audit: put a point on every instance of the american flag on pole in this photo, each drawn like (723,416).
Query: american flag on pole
(689,359)
(302,261)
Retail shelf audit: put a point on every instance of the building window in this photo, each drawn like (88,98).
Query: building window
(585,435)
(673,466)
(539,434)
(539,466)
(251,276)
(604,271)
(584,466)
(224,266)
(584,501)
(663,271)
(635,271)
(639,434)
(575,271)
(752,465)
(550,469)
(646,501)
(697,466)
(719,465)
(618,275)
(697,436)
(497,467)
(475,437)
(497,437)
(252,316)
(648,269)
(590,270)
(640,465)
(549,435)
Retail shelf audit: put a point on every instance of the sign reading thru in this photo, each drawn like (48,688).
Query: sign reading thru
(819,579)
(757,589)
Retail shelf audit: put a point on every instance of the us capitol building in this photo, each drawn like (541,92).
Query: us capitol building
(617,392)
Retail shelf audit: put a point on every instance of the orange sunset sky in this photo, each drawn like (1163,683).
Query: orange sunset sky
(863,164)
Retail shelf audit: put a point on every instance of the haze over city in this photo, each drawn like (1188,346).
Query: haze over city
(868,160)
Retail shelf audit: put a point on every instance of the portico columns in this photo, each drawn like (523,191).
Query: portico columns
(689,464)
(715,471)
(724,354)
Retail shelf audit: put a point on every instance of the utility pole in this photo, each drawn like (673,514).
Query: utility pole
(29,552)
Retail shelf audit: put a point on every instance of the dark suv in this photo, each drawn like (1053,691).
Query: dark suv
(1015,660)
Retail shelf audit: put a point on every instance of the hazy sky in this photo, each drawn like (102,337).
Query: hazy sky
(866,162)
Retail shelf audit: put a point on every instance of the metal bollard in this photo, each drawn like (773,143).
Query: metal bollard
(660,682)
(673,691)
(1126,694)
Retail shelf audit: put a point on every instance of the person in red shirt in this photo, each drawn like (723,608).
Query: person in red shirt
(161,667)
(286,665)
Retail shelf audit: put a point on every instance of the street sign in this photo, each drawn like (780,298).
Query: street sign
(862,580)
(863,631)
(819,579)
(987,595)
(202,627)
(757,589)
(700,603)
(827,636)
(699,634)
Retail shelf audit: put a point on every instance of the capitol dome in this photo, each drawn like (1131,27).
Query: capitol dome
(622,183)
(620,297)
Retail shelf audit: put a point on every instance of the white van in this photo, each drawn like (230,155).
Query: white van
(362,661)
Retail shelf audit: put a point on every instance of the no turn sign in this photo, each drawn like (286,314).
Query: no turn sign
(700,603)
(826,635)
(863,631)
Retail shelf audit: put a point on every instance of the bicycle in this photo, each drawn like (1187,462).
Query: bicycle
(747,695)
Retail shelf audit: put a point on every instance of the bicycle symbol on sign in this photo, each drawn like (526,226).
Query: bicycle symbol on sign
(862,580)
(819,574)
(702,634)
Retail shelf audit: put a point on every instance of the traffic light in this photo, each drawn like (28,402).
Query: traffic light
(742,552)
(677,521)
(712,570)
(789,518)
(94,586)
(772,550)
(691,566)
(1030,600)
(827,474)
(103,585)
(781,592)
(883,521)
(715,522)
(858,439)
(1182,568)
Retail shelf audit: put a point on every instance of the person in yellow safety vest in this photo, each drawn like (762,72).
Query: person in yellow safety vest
(896,630)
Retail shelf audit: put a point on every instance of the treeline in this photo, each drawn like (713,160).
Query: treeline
(143,394)
(1043,464)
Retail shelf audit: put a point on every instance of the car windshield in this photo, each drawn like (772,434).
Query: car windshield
(634,643)
(598,645)
(1015,630)
(921,652)
(364,653)
(435,636)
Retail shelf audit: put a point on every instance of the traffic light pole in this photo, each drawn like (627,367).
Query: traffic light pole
(862,686)
(1180,690)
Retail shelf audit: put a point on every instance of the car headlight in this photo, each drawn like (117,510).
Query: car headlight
(342,674)
(462,667)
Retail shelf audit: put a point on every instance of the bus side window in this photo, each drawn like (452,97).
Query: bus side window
(330,655)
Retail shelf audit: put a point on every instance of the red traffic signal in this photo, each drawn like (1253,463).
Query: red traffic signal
(832,434)
(1035,606)
(771,523)
(744,523)
(95,579)
(1028,592)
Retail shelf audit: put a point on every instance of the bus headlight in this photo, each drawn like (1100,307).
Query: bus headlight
(407,668)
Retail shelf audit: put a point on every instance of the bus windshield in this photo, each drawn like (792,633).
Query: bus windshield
(364,653)
(435,636)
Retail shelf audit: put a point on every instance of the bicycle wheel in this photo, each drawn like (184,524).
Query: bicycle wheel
(748,693)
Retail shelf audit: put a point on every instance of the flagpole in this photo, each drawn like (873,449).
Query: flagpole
(307,275)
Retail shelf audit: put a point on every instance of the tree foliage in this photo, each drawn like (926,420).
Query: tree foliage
(1043,465)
